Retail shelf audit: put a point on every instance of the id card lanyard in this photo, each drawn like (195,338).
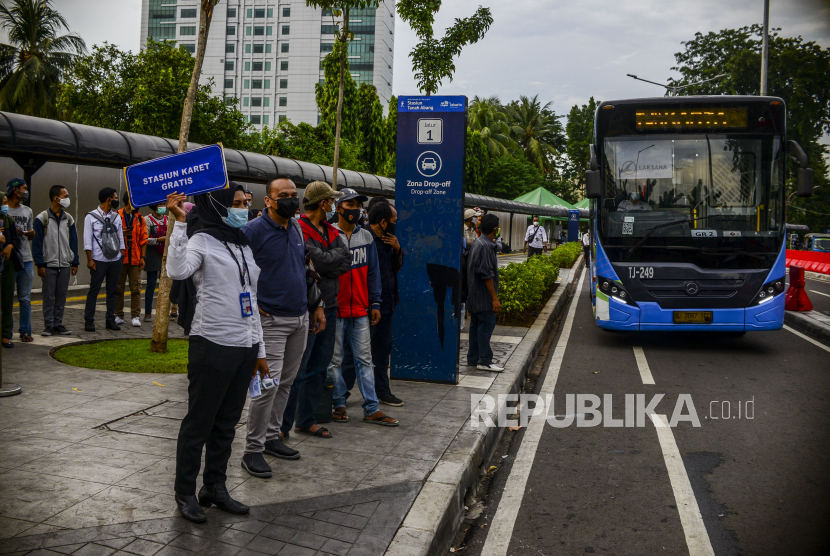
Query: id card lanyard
(245,304)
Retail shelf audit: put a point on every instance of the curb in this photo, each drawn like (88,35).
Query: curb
(434,517)
(817,276)
(807,324)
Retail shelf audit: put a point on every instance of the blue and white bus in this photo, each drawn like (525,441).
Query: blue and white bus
(688,213)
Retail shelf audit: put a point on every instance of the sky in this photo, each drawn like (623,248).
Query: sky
(565,51)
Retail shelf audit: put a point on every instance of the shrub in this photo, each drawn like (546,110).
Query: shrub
(522,286)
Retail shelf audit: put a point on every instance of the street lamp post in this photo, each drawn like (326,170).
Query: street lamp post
(765,50)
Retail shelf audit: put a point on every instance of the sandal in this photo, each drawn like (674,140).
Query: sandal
(174,315)
(378,418)
(339,415)
(321,432)
(26,337)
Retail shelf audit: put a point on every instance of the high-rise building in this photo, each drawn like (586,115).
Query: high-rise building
(268,53)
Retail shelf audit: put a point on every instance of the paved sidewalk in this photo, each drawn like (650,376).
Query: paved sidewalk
(87,456)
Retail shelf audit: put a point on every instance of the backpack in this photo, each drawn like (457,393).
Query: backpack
(110,242)
(44,219)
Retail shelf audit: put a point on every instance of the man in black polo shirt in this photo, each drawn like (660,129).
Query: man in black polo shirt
(482,295)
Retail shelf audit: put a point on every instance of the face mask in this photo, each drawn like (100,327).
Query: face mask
(24,196)
(4,209)
(237,217)
(390,228)
(287,208)
(161,211)
(634,196)
(535,224)
(498,232)
(350,215)
(113,204)
(296,217)
(64,202)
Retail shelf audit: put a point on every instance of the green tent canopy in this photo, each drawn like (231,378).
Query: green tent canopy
(544,198)
(583,204)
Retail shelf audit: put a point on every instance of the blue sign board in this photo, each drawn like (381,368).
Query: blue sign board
(429,196)
(573,225)
(189,173)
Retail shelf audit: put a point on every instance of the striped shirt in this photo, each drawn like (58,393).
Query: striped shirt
(482,264)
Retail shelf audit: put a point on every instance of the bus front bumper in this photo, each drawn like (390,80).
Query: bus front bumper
(650,316)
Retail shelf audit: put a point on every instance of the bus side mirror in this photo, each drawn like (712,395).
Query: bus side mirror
(593,184)
(805,175)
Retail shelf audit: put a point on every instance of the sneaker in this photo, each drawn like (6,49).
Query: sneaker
(48,331)
(61,329)
(119,320)
(113,325)
(280,450)
(389,399)
(491,367)
(89,327)
(148,318)
(136,321)
(256,466)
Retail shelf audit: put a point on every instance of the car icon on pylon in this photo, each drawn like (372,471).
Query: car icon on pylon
(429,164)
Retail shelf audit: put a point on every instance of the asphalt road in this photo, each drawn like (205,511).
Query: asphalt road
(761,484)
(819,293)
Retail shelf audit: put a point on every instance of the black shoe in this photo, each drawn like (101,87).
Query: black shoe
(190,508)
(89,326)
(389,399)
(256,466)
(112,326)
(61,329)
(48,331)
(277,448)
(218,496)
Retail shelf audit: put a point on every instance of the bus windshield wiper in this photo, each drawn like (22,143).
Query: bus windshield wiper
(666,225)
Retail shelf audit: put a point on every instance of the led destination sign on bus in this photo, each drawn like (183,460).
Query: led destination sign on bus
(695,118)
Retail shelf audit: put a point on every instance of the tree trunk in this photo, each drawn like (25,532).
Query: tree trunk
(162,322)
(344,51)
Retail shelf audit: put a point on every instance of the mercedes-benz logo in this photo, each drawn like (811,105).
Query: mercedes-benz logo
(691,287)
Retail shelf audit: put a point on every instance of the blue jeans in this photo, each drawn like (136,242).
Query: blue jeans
(23,279)
(308,386)
(481,329)
(356,332)
(381,350)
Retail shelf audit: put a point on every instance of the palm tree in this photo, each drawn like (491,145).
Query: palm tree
(32,63)
(486,115)
(536,129)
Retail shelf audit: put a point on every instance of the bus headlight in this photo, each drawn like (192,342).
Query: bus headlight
(768,292)
(615,290)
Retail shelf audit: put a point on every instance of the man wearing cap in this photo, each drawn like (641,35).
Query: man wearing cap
(17,194)
(470,218)
(331,259)
(358,307)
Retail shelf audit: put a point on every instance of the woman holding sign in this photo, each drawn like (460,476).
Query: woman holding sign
(226,348)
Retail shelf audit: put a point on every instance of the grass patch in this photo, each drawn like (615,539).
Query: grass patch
(126,356)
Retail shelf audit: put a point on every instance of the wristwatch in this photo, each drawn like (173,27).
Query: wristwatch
(322,304)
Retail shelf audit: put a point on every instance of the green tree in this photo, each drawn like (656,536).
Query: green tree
(579,131)
(537,130)
(432,59)
(487,116)
(510,176)
(309,143)
(390,138)
(32,63)
(370,128)
(476,161)
(341,9)
(798,71)
(145,93)
(328,94)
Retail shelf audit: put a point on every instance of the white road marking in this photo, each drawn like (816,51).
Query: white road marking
(821,293)
(501,528)
(809,339)
(642,364)
(697,539)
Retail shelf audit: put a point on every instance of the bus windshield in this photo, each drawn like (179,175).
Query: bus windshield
(821,244)
(714,200)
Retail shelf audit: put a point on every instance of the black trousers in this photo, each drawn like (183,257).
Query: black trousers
(110,271)
(531,251)
(219,378)
(381,351)
(587,251)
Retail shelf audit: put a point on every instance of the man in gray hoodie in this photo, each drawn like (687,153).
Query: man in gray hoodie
(55,252)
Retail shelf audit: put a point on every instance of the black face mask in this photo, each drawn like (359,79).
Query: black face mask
(351,215)
(390,228)
(113,204)
(287,207)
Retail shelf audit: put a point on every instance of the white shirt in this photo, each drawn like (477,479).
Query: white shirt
(92,234)
(218,315)
(536,236)
(586,240)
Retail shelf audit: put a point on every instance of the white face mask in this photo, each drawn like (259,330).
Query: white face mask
(64,202)
(536,224)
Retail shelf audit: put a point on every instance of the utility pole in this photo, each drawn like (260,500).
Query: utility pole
(765,50)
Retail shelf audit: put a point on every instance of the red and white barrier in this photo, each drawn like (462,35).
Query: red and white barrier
(796,297)
(811,261)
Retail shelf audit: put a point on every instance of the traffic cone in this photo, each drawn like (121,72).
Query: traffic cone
(796,297)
